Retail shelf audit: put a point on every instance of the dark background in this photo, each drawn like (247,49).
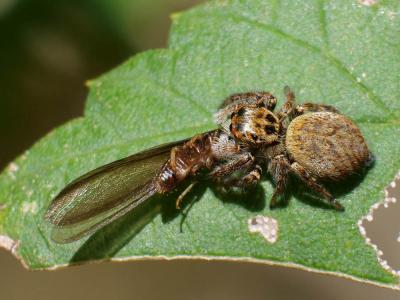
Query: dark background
(48,49)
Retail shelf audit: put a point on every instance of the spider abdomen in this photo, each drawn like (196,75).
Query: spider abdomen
(327,144)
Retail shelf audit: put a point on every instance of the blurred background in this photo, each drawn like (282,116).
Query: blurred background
(48,49)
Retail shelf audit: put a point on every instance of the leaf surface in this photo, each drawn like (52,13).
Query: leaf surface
(339,53)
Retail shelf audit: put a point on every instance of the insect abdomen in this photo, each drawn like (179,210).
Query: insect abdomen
(185,161)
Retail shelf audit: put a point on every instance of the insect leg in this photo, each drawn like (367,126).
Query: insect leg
(312,107)
(278,168)
(183,194)
(313,184)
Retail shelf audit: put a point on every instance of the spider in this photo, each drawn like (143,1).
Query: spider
(312,141)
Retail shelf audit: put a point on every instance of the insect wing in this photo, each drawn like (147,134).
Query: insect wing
(104,194)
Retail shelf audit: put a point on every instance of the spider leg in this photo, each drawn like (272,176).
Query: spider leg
(279,170)
(288,107)
(240,171)
(251,177)
(313,184)
(313,107)
(240,161)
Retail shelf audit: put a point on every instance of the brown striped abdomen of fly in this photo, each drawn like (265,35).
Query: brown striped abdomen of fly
(186,160)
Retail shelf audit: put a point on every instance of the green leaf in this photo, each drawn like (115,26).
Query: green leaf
(339,53)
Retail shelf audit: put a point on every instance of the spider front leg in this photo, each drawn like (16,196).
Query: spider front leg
(311,182)
(278,168)
(238,162)
(240,170)
(249,178)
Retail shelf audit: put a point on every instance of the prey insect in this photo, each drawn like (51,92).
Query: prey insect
(312,141)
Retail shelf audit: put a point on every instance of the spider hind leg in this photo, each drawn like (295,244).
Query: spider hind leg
(312,183)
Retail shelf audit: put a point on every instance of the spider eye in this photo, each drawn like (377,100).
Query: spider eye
(270,118)
(241,112)
(269,129)
(239,127)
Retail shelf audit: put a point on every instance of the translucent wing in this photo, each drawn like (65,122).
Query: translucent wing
(104,194)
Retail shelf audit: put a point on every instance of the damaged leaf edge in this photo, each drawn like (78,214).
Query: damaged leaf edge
(369,217)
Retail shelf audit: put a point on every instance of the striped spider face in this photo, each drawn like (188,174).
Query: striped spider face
(254,125)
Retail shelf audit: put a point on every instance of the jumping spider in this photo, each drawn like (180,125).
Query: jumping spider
(312,141)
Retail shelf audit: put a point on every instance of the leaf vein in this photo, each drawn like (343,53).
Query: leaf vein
(323,53)
(179,94)
(44,238)
(324,25)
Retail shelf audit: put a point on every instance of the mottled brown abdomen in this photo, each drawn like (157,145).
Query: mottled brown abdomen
(327,144)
